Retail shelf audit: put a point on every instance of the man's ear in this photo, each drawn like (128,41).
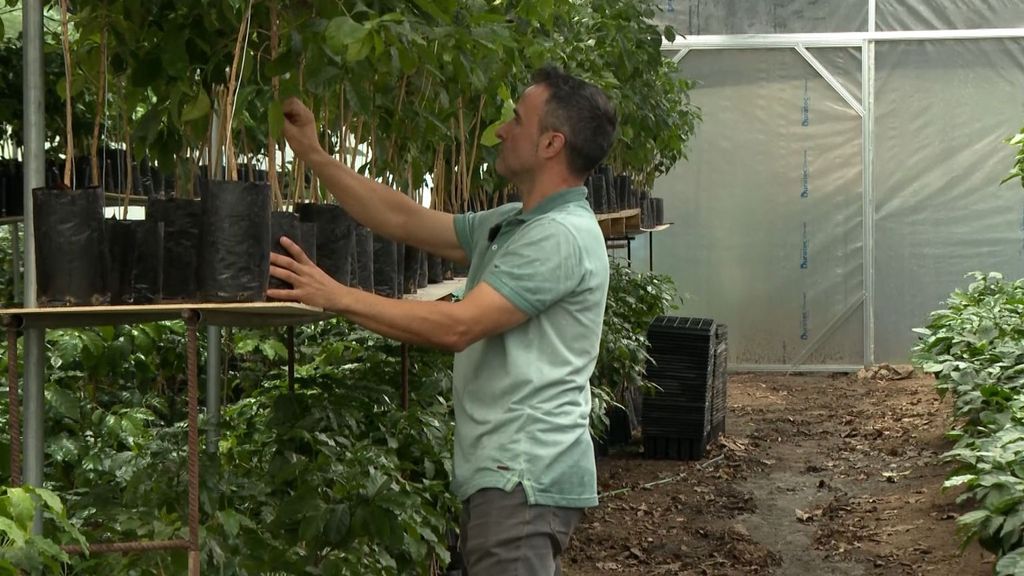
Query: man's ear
(552,144)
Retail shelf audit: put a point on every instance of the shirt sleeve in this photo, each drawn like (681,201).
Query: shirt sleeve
(465,228)
(538,266)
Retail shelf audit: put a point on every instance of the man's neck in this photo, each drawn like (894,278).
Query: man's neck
(543,188)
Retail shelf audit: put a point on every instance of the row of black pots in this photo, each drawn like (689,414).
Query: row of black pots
(215,249)
(652,213)
(147,179)
(609,193)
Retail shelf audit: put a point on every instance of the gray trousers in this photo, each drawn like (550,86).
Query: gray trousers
(501,535)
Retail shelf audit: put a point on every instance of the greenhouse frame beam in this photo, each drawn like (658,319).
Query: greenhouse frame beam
(831,40)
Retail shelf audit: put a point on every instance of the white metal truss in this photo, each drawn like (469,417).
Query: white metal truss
(682,46)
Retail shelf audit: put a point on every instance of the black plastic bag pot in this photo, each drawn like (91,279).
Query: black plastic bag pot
(121,252)
(622,188)
(307,239)
(400,268)
(385,267)
(364,258)
(181,219)
(435,269)
(411,277)
(136,261)
(234,262)
(659,211)
(597,190)
(421,279)
(12,193)
(148,265)
(283,224)
(335,238)
(71,247)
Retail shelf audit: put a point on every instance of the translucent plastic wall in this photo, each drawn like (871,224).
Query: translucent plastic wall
(702,17)
(769,211)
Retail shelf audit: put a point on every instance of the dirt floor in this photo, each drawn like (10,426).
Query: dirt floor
(816,475)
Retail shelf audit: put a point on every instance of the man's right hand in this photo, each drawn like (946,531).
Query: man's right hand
(300,129)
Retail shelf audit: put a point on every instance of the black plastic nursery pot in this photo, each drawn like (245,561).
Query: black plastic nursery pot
(411,270)
(598,202)
(435,269)
(12,181)
(385,267)
(283,224)
(136,261)
(234,263)
(421,280)
(365,270)
(307,239)
(70,247)
(335,238)
(181,219)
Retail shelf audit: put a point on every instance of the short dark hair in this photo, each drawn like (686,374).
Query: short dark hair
(582,112)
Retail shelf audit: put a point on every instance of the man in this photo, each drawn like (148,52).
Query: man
(527,332)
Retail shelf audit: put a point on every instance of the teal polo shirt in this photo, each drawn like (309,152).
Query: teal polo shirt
(522,398)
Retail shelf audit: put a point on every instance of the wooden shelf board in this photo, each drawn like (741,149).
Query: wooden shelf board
(439,291)
(233,314)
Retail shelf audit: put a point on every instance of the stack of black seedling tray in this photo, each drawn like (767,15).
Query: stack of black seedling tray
(719,406)
(677,420)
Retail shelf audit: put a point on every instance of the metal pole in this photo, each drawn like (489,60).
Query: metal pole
(213,388)
(868,136)
(35,142)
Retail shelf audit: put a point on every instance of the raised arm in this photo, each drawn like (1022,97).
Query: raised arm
(374,205)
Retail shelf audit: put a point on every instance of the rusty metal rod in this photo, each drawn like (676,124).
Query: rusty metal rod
(128,547)
(192,323)
(405,376)
(13,401)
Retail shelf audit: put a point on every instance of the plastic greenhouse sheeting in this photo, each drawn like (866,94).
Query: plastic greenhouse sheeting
(943,109)
(763,16)
(902,15)
(703,17)
(768,235)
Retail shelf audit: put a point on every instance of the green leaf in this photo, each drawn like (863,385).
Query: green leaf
(23,509)
(342,32)
(51,500)
(275,119)
(65,403)
(1011,564)
(231,520)
(430,8)
(12,531)
(359,50)
(198,108)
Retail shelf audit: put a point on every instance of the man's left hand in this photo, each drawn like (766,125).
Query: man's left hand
(310,284)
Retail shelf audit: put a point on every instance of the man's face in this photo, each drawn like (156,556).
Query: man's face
(520,136)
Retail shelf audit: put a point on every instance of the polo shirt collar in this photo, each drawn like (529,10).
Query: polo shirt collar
(553,202)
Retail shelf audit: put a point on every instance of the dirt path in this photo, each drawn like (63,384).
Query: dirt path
(817,475)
